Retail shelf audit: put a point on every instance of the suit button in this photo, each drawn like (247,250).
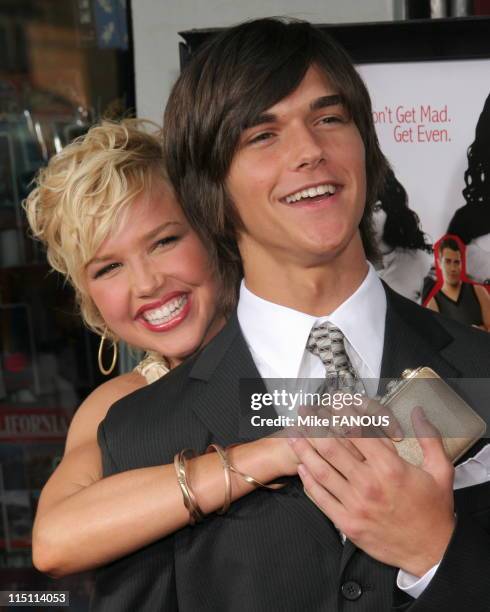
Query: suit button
(351,590)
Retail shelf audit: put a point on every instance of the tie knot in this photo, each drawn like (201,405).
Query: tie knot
(327,341)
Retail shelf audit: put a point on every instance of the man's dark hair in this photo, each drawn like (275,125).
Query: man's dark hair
(449,243)
(402,226)
(234,78)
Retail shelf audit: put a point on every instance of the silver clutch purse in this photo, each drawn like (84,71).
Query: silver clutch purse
(459,425)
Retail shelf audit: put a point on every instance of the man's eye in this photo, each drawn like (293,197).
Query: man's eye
(331,119)
(262,137)
(106,269)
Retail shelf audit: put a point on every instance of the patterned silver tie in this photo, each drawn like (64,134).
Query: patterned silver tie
(327,341)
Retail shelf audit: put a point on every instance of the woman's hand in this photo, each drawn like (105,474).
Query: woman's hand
(282,454)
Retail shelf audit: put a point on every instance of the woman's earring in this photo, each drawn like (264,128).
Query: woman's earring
(114,357)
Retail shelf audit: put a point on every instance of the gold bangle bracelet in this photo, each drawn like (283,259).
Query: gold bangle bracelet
(226,470)
(198,513)
(253,481)
(248,479)
(190,502)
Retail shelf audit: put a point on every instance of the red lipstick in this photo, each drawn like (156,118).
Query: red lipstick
(174,321)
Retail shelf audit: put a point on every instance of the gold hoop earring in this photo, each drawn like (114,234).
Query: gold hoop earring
(114,357)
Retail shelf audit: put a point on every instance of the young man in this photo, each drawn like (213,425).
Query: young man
(272,150)
(457,299)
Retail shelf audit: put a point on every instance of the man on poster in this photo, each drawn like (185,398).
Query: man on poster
(272,150)
(458,299)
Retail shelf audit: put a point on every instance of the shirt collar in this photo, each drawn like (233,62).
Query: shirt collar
(278,335)
(361,318)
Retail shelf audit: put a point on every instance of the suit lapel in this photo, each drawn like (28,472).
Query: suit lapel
(218,375)
(413,338)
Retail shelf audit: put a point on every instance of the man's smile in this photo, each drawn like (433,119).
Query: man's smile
(311,192)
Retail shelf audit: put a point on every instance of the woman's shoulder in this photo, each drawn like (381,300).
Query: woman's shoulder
(119,386)
(113,390)
(93,410)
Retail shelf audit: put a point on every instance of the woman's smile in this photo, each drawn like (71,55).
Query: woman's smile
(152,280)
(165,314)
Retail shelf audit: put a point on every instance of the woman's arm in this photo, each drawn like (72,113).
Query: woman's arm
(84,521)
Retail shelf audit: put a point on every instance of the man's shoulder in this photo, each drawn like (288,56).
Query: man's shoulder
(462,331)
(151,398)
(426,319)
(145,428)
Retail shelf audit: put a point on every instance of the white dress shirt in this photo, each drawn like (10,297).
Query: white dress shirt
(277,336)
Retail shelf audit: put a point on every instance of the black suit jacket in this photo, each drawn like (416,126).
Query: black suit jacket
(276,550)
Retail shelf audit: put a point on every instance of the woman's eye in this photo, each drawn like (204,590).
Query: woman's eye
(165,241)
(106,269)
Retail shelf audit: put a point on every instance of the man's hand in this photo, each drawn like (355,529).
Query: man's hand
(397,513)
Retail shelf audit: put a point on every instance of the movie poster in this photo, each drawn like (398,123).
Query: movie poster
(433,123)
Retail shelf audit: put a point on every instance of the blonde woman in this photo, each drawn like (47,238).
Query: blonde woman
(141,274)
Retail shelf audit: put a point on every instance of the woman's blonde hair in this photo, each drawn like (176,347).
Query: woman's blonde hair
(85,191)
